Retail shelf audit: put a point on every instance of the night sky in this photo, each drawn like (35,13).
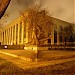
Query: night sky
(61,9)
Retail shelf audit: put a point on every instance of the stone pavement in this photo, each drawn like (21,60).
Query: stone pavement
(29,55)
(28,64)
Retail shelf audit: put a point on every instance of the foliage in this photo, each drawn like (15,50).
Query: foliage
(67,33)
(39,21)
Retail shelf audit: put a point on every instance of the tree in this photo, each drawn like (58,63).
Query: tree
(67,33)
(3,6)
(39,21)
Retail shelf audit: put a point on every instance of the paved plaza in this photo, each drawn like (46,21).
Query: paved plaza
(25,66)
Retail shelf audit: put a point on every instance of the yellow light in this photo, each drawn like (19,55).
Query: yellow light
(5,46)
(11,43)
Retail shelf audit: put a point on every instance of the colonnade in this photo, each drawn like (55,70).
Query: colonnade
(13,35)
(17,34)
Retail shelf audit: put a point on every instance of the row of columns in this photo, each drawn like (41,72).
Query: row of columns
(15,34)
(52,35)
(12,34)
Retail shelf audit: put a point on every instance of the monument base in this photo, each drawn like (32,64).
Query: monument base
(35,48)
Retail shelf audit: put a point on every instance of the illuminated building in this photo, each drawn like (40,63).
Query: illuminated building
(17,33)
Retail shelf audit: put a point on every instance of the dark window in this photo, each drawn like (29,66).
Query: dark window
(49,40)
(55,36)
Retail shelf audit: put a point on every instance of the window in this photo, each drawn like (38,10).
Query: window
(61,34)
(55,36)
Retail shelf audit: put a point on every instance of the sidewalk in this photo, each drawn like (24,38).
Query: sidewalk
(28,55)
(30,65)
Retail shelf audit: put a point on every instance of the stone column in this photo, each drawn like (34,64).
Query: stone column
(7,36)
(15,35)
(18,33)
(22,41)
(4,37)
(12,36)
(0,37)
(27,32)
(52,36)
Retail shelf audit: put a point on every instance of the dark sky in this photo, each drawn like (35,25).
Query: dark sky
(61,9)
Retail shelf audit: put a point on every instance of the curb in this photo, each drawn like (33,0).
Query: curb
(16,56)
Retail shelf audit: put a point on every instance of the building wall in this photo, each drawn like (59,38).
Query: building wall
(10,34)
(17,32)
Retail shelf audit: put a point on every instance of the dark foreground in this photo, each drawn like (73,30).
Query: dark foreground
(7,68)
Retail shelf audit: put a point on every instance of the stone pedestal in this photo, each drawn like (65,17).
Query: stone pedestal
(35,47)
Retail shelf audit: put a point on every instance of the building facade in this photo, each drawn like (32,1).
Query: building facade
(17,32)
